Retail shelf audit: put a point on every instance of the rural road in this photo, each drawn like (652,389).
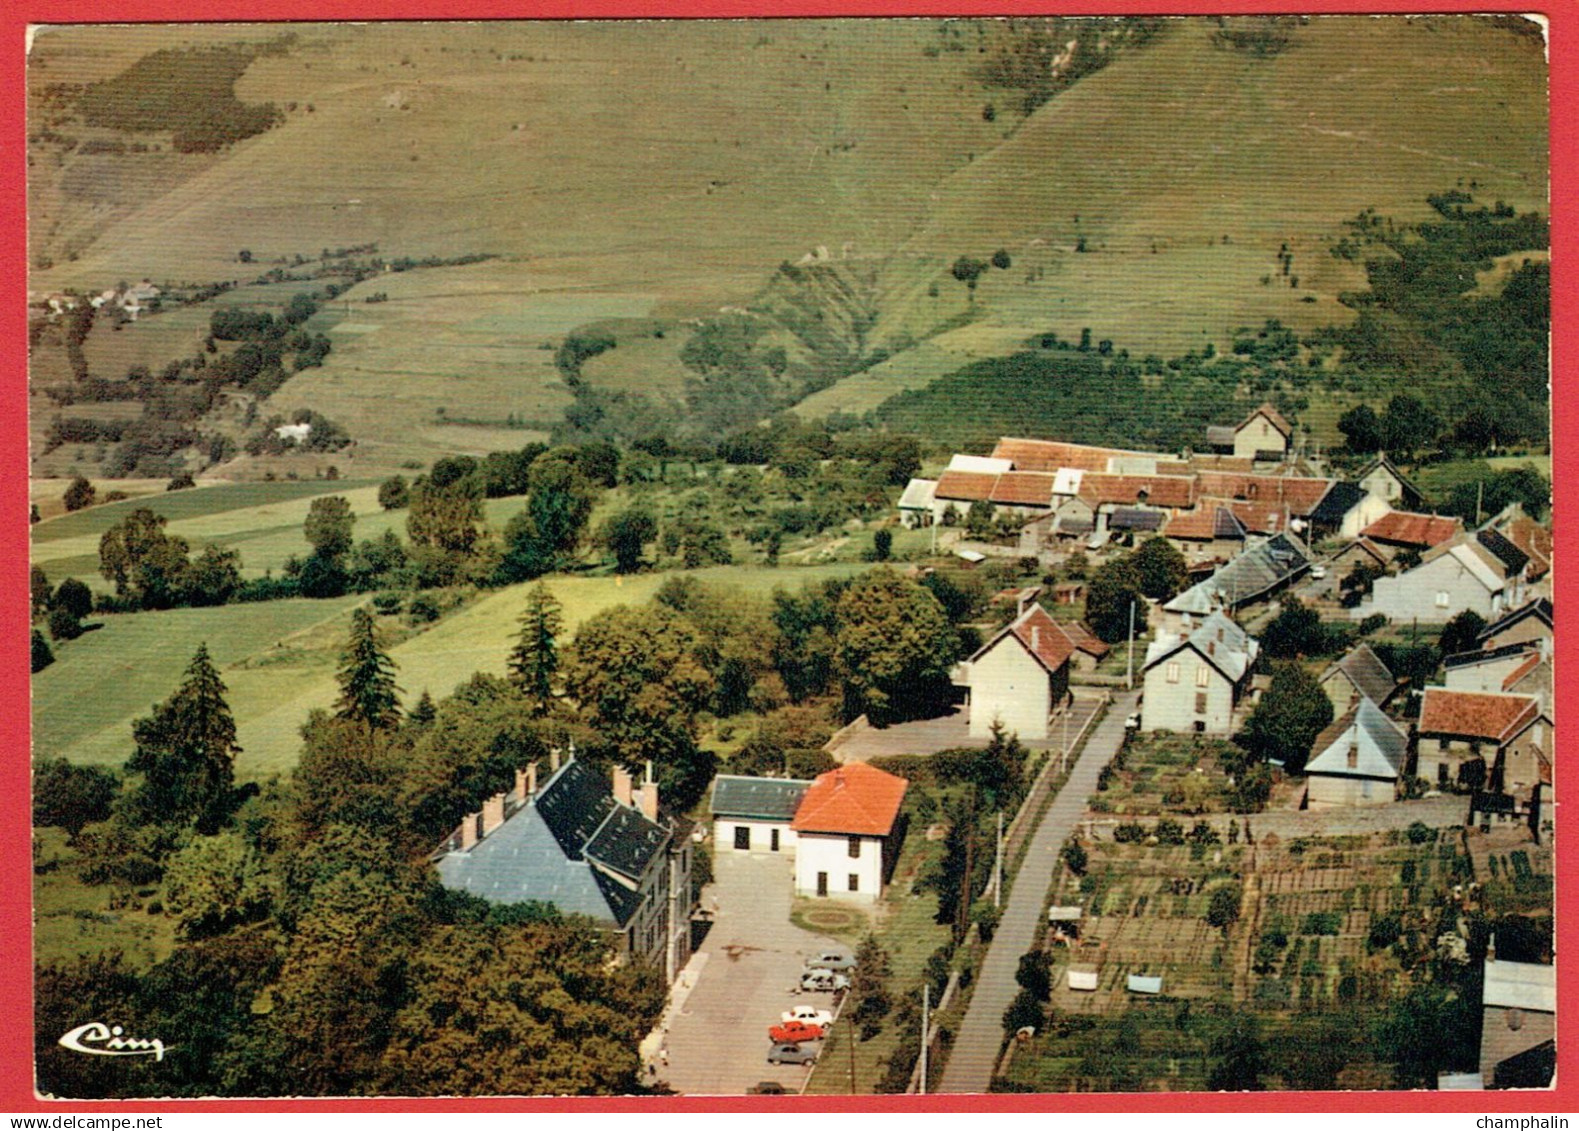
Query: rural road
(975,1052)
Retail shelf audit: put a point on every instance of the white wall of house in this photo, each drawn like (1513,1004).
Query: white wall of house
(1184,689)
(1433,593)
(1486,675)
(1258,435)
(1383,484)
(1362,514)
(1332,791)
(847,867)
(758,835)
(1007,684)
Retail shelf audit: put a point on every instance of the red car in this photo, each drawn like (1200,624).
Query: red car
(793,1032)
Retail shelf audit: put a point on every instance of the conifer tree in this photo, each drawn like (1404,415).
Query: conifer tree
(367,677)
(535,659)
(186,752)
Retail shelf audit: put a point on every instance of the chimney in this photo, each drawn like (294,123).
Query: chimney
(468,832)
(647,797)
(553,758)
(838,778)
(622,786)
(1036,638)
(492,813)
(519,792)
(531,780)
(1211,647)
(648,778)
(1354,753)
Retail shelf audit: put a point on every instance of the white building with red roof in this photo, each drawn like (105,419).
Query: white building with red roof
(1020,676)
(846,832)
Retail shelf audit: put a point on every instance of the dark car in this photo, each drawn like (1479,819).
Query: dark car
(792,1054)
(767,1088)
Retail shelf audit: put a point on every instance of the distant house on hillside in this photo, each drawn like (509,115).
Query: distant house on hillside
(1358,760)
(754,814)
(1019,677)
(294,433)
(848,832)
(1194,681)
(1264,435)
(587,846)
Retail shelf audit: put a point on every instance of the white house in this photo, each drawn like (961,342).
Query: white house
(1456,576)
(846,832)
(1264,434)
(754,814)
(296,433)
(915,504)
(1193,682)
(1357,760)
(1019,677)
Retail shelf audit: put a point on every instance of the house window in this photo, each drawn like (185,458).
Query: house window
(1173,673)
(743,838)
(773,840)
(1200,702)
(1441,598)
(855,882)
(855,848)
(1200,676)
(822,883)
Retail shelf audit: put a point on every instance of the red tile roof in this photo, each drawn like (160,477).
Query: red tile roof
(1125,490)
(1535,540)
(971,486)
(1024,489)
(1258,517)
(1050,455)
(1043,638)
(1475,714)
(1294,494)
(1208,461)
(856,799)
(1083,639)
(1272,415)
(1406,528)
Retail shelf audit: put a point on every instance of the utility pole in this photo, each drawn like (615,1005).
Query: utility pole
(1480,491)
(1064,764)
(997,867)
(1129,678)
(926,998)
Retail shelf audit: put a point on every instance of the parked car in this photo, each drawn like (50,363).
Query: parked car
(793,1032)
(830,960)
(1318,573)
(810,1015)
(767,1088)
(824,981)
(792,1054)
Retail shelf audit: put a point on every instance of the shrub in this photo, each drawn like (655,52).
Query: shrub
(1169,831)
(1024,1010)
(1420,833)
(64,625)
(1074,858)
(1222,910)
(42,657)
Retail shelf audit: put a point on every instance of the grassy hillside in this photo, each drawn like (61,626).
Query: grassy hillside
(1183,207)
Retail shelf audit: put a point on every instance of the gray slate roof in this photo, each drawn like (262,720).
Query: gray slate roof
(1218,640)
(1365,670)
(1260,569)
(1381,748)
(764,799)
(1135,518)
(545,851)
(1339,500)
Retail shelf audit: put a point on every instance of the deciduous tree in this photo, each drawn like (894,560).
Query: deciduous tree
(893,648)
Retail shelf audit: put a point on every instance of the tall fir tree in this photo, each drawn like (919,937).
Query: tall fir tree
(186,752)
(534,661)
(367,677)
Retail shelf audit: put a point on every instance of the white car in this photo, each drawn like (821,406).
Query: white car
(824,981)
(1318,573)
(808,1015)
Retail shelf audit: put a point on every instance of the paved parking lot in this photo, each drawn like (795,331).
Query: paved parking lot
(743,977)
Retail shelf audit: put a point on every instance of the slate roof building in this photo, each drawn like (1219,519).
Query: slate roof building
(1360,674)
(1464,574)
(1194,682)
(1357,760)
(754,814)
(848,831)
(1260,572)
(1344,511)
(1531,621)
(588,846)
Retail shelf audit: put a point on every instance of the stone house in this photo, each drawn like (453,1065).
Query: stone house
(1360,674)
(1518,1023)
(1494,741)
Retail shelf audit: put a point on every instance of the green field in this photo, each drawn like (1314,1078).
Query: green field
(278,660)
